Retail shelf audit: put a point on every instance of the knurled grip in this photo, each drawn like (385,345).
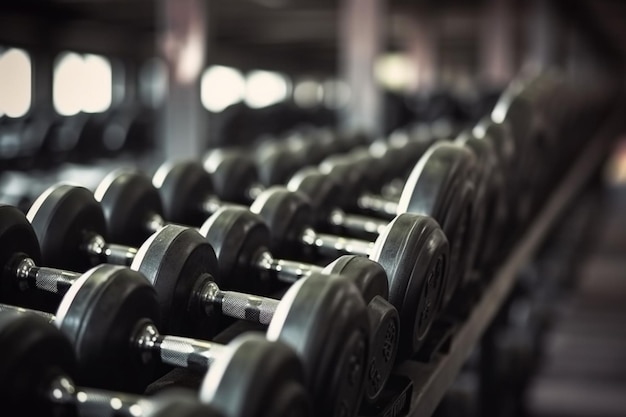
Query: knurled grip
(247,307)
(189,353)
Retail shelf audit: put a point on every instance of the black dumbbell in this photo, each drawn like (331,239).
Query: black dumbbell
(180,264)
(490,204)
(132,194)
(233,174)
(111,316)
(439,186)
(412,250)
(70,226)
(37,369)
(190,194)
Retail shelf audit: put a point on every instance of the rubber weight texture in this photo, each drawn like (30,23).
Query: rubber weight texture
(100,315)
(128,200)
(176,260)
(64,217)
(34,352)
(414,252)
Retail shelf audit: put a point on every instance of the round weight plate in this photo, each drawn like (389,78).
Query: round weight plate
(178,402)
(287,214)
(100,314)
(427,190)
(368,276)
(441,186)
(17,238)
(128,200)
(484,173)
(373,170)
(258,378)
(347,174)
(175,260)
(324,193)
(238,237)
(64,217)
(34,352)
(457,226)
(276,164)
(325,321)
(414,252)
(233,174)
(371,280)
(384,327)
(183,187)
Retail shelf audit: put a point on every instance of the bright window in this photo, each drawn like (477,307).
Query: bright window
(221,87)
(82,83)
(264,88)
(15,82)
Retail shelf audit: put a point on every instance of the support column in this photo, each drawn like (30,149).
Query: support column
(182,44)
(497,44)
(542,29)
(421,46)
(361,30)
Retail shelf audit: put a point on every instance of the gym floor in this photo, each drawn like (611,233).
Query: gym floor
(584,368)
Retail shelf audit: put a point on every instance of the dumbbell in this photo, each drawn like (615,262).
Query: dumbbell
(412,250)
(247,377)
(372,168)
(38,367)
(185,283)
(190,194)
(443,194)
(244,233)
(233,174)
(278,160)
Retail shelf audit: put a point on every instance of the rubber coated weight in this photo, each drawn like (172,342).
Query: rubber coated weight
(414,252)
(403,250)
(128,199)
(276,163)
(351,176)
(62,218)
(183,187)
(172,260)
(326,323)
(369,277)
(484,175)
(492,190)
(33,353)
(287,214)
(371,281)
(324,194)
(16,237)
(238,236)
(233,174)
(440,186)
(99,315)
(247,389)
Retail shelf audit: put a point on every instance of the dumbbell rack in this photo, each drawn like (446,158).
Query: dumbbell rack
(431,381)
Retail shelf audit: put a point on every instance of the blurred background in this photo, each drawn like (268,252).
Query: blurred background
(97,83)
(371,64)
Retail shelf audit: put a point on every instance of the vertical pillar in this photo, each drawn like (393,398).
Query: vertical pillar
(182,44)
(542,33)
(360,42)
(421,47)
(497,44)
